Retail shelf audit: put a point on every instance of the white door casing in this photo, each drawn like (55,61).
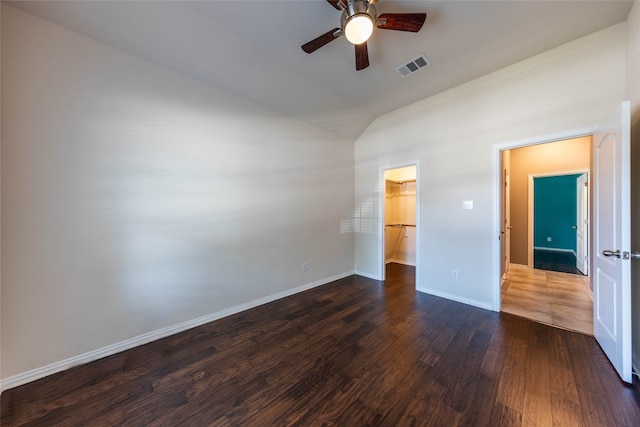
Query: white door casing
(507,221)
(582,225)
(611,273)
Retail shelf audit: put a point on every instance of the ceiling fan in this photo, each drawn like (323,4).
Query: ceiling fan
(356,24)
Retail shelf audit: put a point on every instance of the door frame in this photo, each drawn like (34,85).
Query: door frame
(530,201)
(497,196)
(583,218)
(505,218)
(382,188)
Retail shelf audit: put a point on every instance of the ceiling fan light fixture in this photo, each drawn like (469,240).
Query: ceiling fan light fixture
(358,28)
(358,21)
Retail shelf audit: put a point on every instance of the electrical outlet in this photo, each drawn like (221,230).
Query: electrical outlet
(454,274)
(548,239)
(304,267)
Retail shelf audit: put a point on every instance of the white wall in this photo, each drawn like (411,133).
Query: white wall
(136,199)
(572,87)
(633,94)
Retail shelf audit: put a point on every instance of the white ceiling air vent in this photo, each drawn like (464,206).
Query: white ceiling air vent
(412,66)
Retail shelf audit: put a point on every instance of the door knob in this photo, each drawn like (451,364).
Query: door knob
(607,252)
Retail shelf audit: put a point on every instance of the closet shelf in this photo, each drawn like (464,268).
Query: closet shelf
(400,182)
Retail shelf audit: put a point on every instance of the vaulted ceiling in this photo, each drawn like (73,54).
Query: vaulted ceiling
(252,48)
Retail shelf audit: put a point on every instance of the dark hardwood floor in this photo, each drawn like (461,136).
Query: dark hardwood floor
(563,262)
(355,352)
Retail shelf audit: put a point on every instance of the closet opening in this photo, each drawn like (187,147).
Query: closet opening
(400,227)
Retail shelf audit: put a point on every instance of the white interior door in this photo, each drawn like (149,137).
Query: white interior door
(582,225)
(611,269)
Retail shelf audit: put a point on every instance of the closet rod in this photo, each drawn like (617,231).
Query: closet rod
(400,182)
(400,225)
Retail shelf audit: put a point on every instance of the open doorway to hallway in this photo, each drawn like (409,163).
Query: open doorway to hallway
(556,298)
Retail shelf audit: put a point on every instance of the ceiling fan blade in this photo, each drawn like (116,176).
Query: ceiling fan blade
(362,56)
(334,3)
(401,21)
(318,42)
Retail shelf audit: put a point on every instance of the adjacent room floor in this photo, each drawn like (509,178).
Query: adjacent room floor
(564,262)
(558,299)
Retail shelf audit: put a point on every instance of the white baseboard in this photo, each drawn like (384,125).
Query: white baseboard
(456,298)
(367,275)
(38,373)
(554,249)
(514,264)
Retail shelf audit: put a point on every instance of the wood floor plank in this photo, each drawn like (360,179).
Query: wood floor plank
(481,400)
(493,360)
(352,352)
(429,412)
(537,409)
(565,411)
(504,416)
(513,376)
(562,382)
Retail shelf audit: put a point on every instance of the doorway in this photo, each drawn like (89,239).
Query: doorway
(400,219)
(558,226)
(556,298)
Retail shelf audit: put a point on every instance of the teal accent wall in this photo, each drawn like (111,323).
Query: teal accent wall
(554,212)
